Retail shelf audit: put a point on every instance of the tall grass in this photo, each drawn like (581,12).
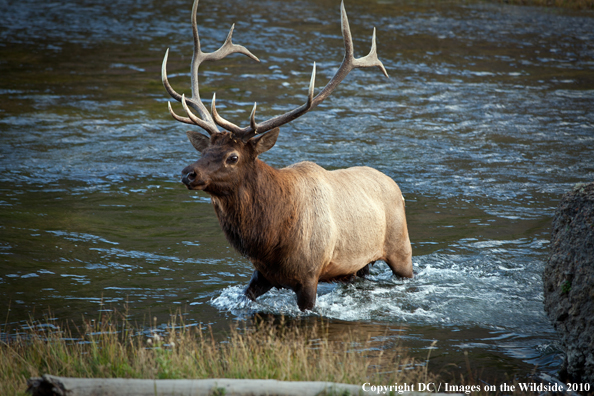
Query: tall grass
(268,349)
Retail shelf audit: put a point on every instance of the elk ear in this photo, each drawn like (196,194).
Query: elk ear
(198,140)
(265,142)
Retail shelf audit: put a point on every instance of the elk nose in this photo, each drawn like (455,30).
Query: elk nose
(188,178)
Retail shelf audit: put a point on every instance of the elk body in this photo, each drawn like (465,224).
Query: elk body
(298,225)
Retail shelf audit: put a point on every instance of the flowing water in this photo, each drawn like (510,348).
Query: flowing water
(486,120)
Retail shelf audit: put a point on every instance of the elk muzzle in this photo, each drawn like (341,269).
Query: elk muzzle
(193,179)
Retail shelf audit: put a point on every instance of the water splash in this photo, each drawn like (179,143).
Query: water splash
(483,289)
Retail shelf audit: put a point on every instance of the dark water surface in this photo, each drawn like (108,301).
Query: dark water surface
(486,120)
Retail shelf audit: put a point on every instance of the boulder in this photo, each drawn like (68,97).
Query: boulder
(569,282)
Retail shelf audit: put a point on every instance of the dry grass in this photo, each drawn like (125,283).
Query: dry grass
(112,347)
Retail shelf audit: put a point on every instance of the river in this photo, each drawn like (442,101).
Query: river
(486,120)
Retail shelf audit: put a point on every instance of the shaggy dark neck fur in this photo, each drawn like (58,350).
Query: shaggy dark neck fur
(258,216)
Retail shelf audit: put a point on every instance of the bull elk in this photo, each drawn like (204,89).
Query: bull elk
(302,224)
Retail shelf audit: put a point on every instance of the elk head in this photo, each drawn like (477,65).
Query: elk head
(229,155)
(225,161)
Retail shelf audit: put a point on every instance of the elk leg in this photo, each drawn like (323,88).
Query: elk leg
(363,272)
(258,286)
(400,262)
(306,295)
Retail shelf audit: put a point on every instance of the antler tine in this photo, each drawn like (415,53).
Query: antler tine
(178,118)
(195,120)
(371,59)
(348,63)
(166,84)
(192,120)
(312,83)
(253,123)
(206,122)
(229,48)
(223,123)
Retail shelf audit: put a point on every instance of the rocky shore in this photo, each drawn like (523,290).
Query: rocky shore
(569,282)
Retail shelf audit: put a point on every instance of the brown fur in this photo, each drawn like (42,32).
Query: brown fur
(301,224)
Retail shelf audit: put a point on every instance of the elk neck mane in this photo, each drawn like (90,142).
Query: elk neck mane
(260,215)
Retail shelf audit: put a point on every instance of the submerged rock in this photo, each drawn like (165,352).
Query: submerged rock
(569,282)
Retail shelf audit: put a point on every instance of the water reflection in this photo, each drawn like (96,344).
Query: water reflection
(487,118)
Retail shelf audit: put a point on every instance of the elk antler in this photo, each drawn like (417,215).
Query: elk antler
(348,63)
(195,102)
(210,124)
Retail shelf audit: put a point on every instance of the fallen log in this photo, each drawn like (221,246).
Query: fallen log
(50,385)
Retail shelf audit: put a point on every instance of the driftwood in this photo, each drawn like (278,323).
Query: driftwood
(50,385)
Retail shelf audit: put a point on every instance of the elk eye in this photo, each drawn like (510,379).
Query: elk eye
(232,159)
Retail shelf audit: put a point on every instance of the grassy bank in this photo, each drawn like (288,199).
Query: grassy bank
(112,347)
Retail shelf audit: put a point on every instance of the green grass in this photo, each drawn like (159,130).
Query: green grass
(270,349)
